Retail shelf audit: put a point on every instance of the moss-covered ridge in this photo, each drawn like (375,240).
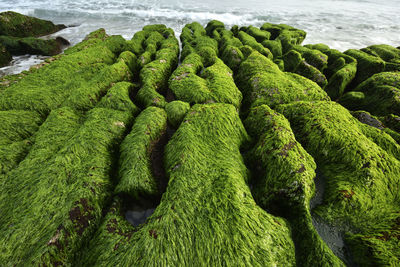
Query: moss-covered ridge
(207,215)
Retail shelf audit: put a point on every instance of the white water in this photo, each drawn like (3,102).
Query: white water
(341,24)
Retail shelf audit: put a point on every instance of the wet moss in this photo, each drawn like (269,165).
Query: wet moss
(361,167)
(294,62)
(340,72)
(136,178)
(118,98)
(87,95)
(207,205)
(193,83)
(17,125)
(60,204)
(262,82)
(49,86)
(367,65)
(34,46)
(379,95)
(274,46)
(157,68)
(258,34)
(176,111)
(284,182)
(18,25)
(247,39)
(12,154)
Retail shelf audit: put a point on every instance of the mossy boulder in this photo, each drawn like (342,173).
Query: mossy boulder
(18,25)
(33,46)
(367,65)
(379,95)
(262,82)
(294,62)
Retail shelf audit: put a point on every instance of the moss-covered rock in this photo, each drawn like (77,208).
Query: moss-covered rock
(367,65)
(193,83)
(379,95)
(176,111)
(78,79)
(362,169)
(18,25)
(136,177)
(59,206)
(284,174)
(118,98)
(262,82)
(32,45)
(159,59)
(207,216)
(294,62)
(247,39)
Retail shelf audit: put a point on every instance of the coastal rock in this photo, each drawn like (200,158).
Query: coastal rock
(34,46)
(18,25)
(379,95)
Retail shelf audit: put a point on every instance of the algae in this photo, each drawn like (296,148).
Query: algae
(207,215)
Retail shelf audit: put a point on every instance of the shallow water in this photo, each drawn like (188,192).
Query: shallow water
(341,24)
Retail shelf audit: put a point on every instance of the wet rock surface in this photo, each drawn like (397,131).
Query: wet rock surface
(116,152)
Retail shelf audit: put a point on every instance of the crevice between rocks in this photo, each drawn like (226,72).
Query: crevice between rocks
(332,235)
(137,211)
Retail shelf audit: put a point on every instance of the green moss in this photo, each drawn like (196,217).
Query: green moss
(135,171)
(290,36)
(340,80)
(118,98)
(154,74)
(12,154)
(262,82)
(207,215)
(313,57)
(193,83)
(87,95)
(294,62)
(259,35)
(176,111)
(53,200)
(362,177)
(367,65)
(17,125)
(385,52)
(247,39)
(214,25)
(381,95)
(18,25)
(372,249)
(274,46)
(92,39)
(284,182)
(48,87)
(5,56)
(130,60)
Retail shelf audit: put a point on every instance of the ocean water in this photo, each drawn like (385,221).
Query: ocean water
(341,24)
